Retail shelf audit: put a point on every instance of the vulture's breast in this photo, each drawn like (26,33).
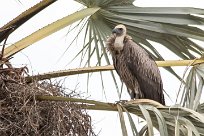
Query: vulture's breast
(119,62)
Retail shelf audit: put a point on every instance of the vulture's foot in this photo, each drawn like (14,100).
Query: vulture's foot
(122,101)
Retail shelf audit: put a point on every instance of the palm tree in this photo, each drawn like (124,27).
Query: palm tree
(173,28)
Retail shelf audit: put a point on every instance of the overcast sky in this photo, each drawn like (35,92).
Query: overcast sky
(44,55)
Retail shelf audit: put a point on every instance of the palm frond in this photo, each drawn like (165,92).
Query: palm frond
(122,120)
(147,117)
(192,91)
(47,30)
(11,26)
(169,26)
(200,108)
(169,119)
(132,124)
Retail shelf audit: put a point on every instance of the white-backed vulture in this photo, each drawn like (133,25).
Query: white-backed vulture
(135,67)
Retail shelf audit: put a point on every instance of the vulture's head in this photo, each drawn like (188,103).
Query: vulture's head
(119,30)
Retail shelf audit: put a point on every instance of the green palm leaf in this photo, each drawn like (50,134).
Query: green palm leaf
(165,25)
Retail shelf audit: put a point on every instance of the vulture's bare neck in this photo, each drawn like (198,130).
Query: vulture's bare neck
(119,42)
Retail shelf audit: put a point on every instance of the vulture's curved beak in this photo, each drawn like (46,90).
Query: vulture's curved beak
(116,31)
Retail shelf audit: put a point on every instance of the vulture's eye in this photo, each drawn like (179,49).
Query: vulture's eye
(120,29)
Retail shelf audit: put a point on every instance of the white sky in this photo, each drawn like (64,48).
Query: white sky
(43,56)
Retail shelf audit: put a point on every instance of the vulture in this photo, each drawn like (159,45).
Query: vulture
(135,66)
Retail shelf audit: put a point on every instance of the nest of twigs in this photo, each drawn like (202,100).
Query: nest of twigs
(22,114)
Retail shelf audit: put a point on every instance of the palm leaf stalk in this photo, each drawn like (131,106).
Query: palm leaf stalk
(190,96)
(46,31)
(163,118)
(69,72)
(11,26)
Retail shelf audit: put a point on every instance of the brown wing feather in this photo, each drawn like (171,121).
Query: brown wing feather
(121,68)
(145,70)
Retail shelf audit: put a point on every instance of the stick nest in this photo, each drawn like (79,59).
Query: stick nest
(21,114)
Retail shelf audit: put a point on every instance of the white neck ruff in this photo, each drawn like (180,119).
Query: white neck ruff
(118,44)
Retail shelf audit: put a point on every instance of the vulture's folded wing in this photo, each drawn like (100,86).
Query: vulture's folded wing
(144,68)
